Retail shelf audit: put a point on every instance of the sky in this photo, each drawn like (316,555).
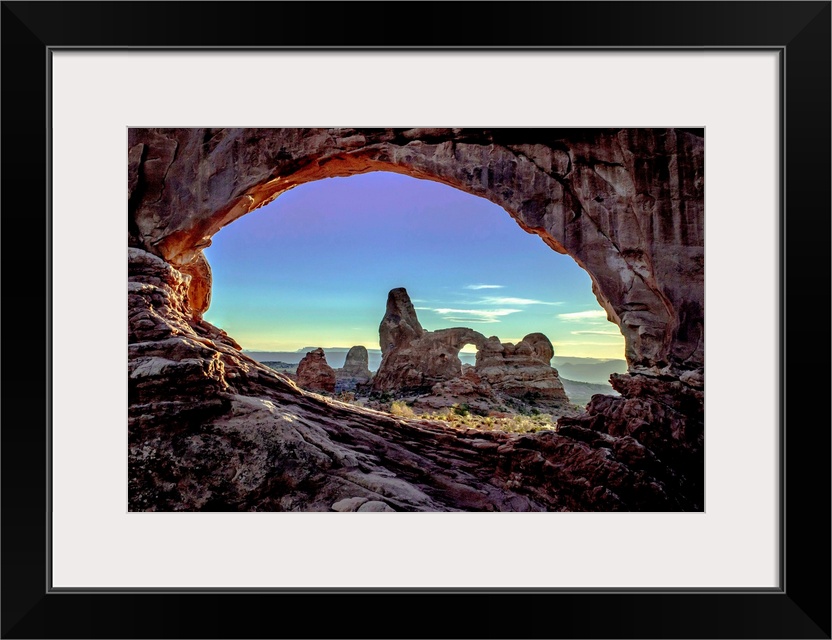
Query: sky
(313,268)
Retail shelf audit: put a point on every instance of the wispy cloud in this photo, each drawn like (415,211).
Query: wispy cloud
(582,343)
(477,287)
(470,320)
(612,332)
(520,301)
(593,314)
(475,315)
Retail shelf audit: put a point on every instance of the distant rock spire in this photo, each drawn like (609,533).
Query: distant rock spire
(400,325)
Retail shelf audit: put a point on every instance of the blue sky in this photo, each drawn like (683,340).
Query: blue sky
(313,268)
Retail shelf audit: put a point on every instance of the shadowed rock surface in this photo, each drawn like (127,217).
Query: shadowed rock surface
(210,429)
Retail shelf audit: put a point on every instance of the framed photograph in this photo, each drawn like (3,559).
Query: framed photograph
(402,441)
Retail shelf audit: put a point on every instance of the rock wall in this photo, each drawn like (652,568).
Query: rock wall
(523,370)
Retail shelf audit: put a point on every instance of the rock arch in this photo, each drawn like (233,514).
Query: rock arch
(413,359)
(626,204)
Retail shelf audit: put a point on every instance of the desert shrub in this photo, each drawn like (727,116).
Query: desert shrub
(537,422)
(400,408)
(461,417)
(461,409)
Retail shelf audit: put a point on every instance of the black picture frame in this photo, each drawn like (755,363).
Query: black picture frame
(800,608)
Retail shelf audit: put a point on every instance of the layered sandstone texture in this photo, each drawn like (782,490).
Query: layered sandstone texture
(212,430)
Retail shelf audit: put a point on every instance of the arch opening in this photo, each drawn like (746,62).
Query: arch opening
(312,270)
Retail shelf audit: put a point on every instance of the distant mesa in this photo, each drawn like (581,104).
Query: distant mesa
(286,368)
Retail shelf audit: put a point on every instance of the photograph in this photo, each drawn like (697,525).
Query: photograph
(458,267)
(411,320)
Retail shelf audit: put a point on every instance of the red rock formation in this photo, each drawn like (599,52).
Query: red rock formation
(399,326)
(523,370)
(415,361)
(412,359)
(655,420)
(315,374)
(199,288)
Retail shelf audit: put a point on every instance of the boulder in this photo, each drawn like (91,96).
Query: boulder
(314,374)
